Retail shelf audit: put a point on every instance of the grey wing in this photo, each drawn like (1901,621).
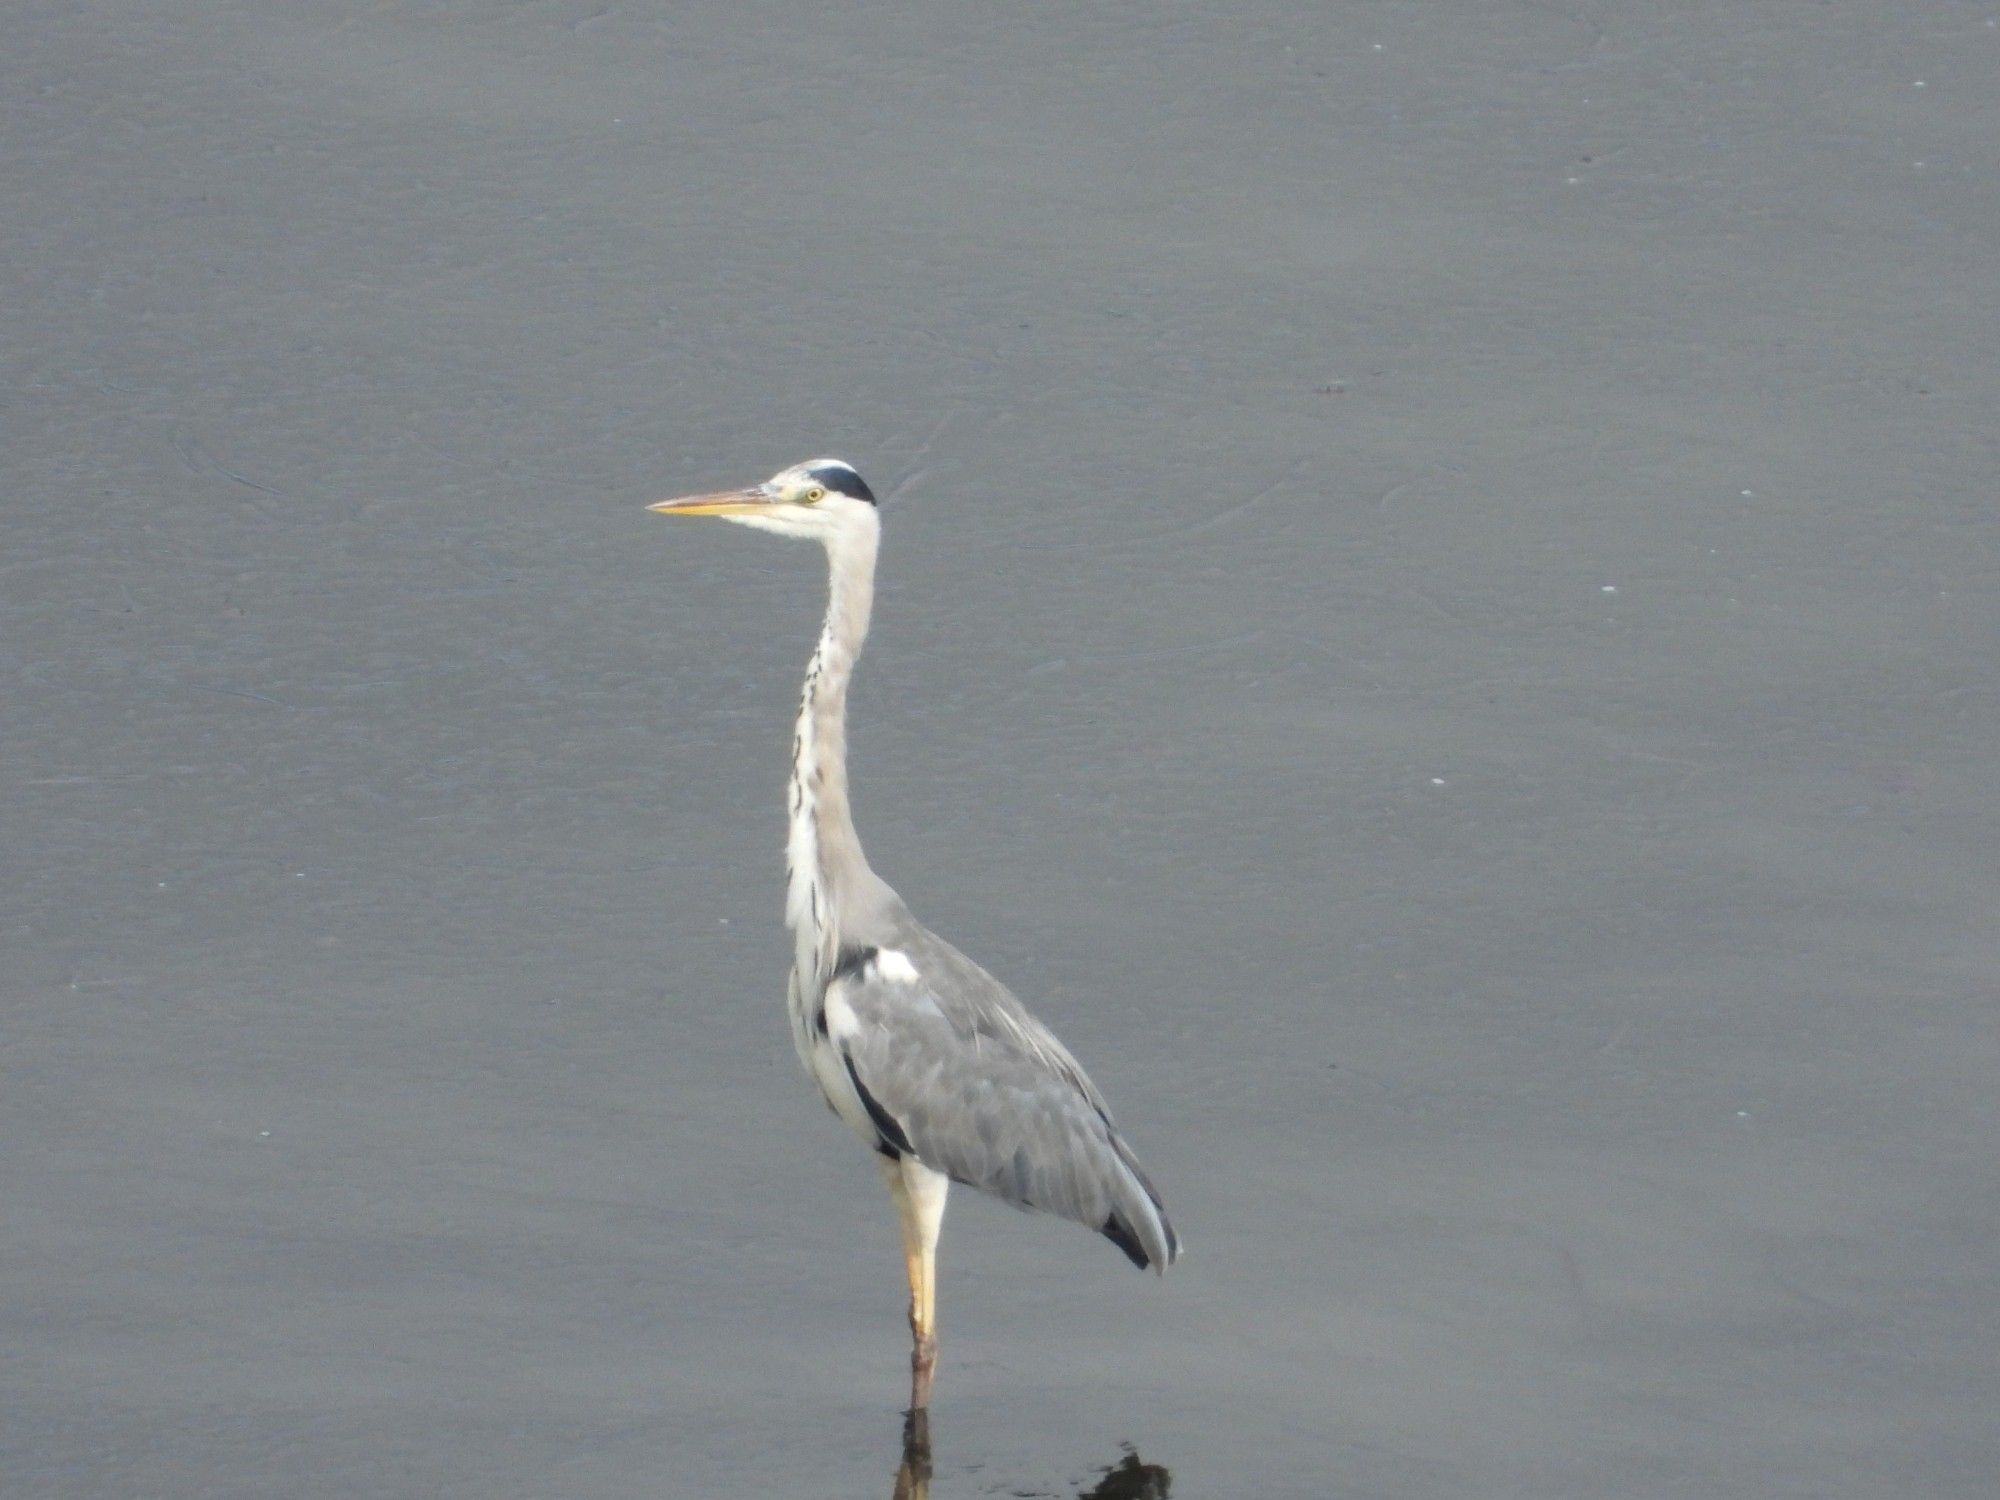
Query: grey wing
(955,1071)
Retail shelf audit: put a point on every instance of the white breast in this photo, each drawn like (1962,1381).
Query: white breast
(821,1046)
(824,1060)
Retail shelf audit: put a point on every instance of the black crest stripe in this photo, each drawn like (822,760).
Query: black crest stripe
(843,480)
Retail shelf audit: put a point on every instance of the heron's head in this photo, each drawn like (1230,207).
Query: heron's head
(821,499)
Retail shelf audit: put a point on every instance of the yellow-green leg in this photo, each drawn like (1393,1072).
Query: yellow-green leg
(919,1193)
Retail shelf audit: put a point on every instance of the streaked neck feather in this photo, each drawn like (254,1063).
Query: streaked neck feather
(828,877)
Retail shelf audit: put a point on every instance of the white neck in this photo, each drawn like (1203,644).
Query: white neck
(826,870)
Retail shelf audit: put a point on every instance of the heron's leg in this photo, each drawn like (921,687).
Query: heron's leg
(919,1193)
(926,1191)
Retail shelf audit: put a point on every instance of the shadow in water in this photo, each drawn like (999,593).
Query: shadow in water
(1128,1479)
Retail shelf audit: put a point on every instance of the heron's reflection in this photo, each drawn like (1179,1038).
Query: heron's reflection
(1128,1479)
(913,1479)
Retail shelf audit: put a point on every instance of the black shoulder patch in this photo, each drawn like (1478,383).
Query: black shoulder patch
(893,1143)
(843,480)
(849,962)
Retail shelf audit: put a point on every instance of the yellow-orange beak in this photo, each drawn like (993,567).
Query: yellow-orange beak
(722,503)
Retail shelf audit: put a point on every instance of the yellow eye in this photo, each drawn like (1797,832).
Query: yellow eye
(814,495)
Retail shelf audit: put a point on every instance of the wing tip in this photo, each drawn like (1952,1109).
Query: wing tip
(1147,1257)
(1120,1234)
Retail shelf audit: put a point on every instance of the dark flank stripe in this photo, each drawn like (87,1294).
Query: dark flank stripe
(894,1144)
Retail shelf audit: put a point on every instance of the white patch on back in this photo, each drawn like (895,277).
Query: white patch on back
(894,965)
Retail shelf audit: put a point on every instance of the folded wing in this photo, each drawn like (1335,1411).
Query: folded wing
(954,1070)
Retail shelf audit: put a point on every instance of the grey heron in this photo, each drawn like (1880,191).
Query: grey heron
(926,1056)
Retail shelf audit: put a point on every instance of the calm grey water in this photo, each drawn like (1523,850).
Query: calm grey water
(1439,623)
